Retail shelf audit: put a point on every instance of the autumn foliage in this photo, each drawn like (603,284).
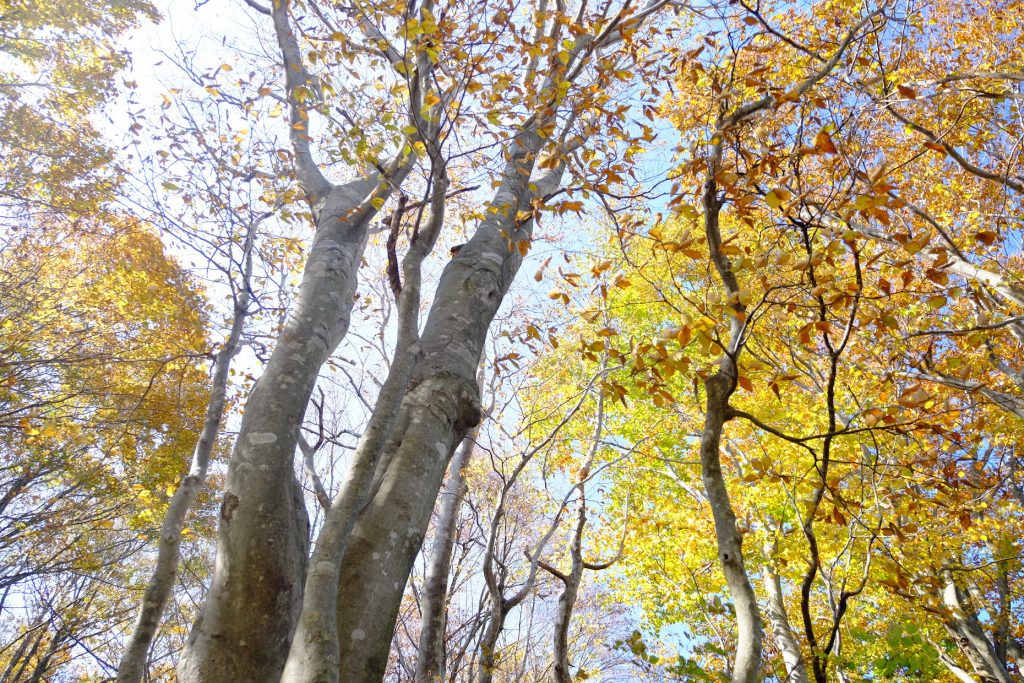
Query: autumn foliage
(752,414)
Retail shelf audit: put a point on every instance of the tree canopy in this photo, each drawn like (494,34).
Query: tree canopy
(492,341)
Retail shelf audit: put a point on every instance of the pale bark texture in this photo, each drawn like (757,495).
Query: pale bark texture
(430,663)
(747,661)
(566,604)
(792,656)
(250,612)
(571,587)
(314,654)
(443,403)
(571,581)
(489,640)
(132,667)
(245,629)
(430,401)
(316,651)
(962,624)
(441,406)
(719,388)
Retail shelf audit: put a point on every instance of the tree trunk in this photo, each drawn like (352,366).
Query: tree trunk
(132,667)
(567,601)
(430,663)
(719,388)
(571,581)
(747,664)
(489,641)
(962,625)
(314,653)
(245,628)
(442,405)
(792,656)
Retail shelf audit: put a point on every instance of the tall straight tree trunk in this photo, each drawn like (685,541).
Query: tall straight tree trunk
(430,662)
(132,667)
(719,387)
(440,408)
(245,627)
(792,656)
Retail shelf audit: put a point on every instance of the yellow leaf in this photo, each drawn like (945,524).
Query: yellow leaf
(777,196)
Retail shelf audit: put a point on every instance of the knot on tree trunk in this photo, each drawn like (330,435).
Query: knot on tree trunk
(719,386)
(470,411)
(228,506)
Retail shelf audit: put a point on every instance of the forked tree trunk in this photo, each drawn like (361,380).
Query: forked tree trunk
(314,654)
(246,624)
(440,408)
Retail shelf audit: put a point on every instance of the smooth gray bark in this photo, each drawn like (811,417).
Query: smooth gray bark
(962,625)
(747,661)
(719,387)
(566,604)
(430,662)
(440,408)
(571,581)
(315,651)
(792,656)
(442,403)
(314,654)
(246,624)
(309,469)
(245,629)
(489,639)
(132,667)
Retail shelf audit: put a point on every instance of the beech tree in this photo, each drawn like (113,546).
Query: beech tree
(263,548)
(838,291)
(755,417)
(101,375)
